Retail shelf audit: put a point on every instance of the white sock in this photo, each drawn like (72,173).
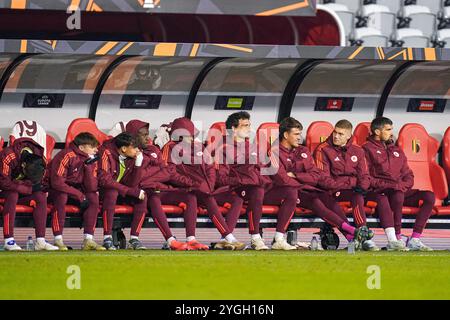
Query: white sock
(88,236)
(8,240)
(169,241)
(222,239)
(134,237)
(58,237)
(230,238)
(279,236)
(390,234)
(40,240)
(190,238)
(256,236)
(107,237)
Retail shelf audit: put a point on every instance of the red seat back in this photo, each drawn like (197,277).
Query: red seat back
(317,132)
(50,141)
(84,125)
(361,132)
(1,143)
(446,153)
(215,132)
(266,134)
(421,149)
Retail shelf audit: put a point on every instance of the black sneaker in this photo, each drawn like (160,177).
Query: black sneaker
(361,235)
(109,244)
(136,244)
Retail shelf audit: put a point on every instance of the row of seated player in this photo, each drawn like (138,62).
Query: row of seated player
(315,134)
(428,173)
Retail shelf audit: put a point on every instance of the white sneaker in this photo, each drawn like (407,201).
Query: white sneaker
(44,245)
(415,244)
(282,244)
(60,244)
(397,245)
(258,244)
(303,245)
(12,246)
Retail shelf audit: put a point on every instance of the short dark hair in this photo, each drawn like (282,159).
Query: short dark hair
(85,138)
(34,168)
(379,123)
(344,124)
(125,139)
(287,124)
(233,119)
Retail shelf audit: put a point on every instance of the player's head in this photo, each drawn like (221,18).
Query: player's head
(342,132)
(183,129)
(140,130)
(290,132)
(239,124)
(33,166)
(126,145)
(87,143)
(382,128)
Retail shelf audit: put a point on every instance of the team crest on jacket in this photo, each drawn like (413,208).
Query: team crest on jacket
(304,155)
(154,155)
(199,154)
(396,154)
(243,193)
(354,158)
(289,160)
(338,194)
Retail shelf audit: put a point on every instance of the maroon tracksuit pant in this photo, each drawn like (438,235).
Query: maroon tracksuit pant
(110,198)
(233,202)
(38,200)
(254,195)
(286,198)
(323,205)
(59,201)
(389,208)
(357,202)
(175,198)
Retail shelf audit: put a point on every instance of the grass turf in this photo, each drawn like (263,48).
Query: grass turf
(156,274)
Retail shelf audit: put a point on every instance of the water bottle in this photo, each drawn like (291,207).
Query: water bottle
(30,244)
(314,244)
(351,247)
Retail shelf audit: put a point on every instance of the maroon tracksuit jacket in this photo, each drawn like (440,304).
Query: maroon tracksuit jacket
(109,171)
(347,168)
(11,167)
(388,166)
(200,173)
(69,174)
(13,184)
(239,166)
(346,165)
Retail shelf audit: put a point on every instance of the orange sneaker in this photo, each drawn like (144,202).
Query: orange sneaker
(178,245)
(195,245)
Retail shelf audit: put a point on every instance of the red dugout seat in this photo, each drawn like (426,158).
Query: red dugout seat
(317,132)
(446,154)
(421,149)
(361,132)
(267,133)
(1,143)
(84,125)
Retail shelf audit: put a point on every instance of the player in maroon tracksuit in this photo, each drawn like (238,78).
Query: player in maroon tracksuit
(187,157)
(391,176)
(119,172)
(161,185)
(240,168)
(22,168)
(297,169)
(73,176)
(345,163)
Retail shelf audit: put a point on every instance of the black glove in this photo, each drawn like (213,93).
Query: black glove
(84,204)
(360,190)
(92,160)
(37,187)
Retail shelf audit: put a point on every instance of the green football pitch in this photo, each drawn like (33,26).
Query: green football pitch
(157,274)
